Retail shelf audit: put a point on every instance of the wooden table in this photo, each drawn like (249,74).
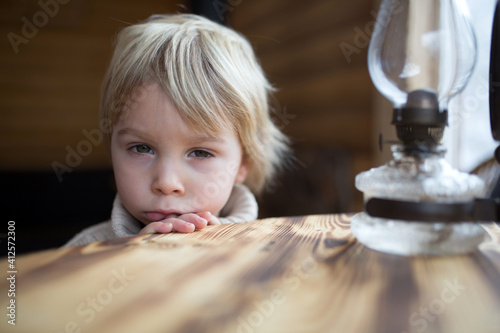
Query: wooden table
(296,274)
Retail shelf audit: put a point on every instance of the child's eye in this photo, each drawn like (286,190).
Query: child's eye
(199,153)
(142,149)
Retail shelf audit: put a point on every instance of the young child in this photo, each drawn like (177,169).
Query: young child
(190,129)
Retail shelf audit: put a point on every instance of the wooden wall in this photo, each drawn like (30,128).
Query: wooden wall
(49,83)
(315,52)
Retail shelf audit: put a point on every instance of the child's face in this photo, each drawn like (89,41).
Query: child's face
(164,168)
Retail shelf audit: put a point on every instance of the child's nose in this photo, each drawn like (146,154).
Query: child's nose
(168,179)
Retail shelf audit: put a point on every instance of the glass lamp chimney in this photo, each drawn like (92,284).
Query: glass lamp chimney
(421,54)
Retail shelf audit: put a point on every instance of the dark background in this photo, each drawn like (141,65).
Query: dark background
(313,52)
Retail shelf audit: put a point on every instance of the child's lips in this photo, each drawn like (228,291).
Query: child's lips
(158,216)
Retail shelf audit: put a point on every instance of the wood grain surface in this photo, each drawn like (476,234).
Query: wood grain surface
(292,274)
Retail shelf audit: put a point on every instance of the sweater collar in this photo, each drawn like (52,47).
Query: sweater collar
(122,222)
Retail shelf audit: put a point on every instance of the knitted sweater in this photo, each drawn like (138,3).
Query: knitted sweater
(240,207)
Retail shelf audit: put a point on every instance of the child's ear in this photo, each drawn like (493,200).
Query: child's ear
(242,173)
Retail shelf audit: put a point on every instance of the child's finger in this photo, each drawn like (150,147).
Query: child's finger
(157,227)
(207,216)
(182,226)
(214,220)
(199,222)
(211,219)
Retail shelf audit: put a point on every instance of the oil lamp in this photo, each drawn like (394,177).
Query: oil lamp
(421,54)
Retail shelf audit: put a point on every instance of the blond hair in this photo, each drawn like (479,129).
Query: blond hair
(213,78)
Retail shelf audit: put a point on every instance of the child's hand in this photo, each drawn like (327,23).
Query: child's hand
(212,219)
(184,223)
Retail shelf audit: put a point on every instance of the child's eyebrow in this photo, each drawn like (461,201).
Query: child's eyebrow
(132,131)
(195,139)
(201,138)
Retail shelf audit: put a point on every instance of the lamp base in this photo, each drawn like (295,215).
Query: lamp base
(418,176)
(416,238)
